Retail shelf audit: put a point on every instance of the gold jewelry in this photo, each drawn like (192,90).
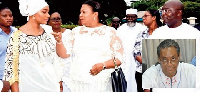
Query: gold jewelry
(94,18)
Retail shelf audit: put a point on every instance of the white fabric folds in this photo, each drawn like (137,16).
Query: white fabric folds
(30,7)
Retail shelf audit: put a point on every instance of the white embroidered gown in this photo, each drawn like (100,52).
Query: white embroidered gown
(39,69)
(89,47)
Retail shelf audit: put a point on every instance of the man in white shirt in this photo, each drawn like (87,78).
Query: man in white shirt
(128,33)
(172,12)
(170,72)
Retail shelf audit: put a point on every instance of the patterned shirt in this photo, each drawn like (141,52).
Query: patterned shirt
(137,50)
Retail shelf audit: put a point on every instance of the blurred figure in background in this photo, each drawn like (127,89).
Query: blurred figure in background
(151,19)
(128,33)
(115,22)
(56,21)
(6,29)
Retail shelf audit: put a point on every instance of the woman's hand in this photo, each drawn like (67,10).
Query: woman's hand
(57,36)
(61,86)
(97,68)
(6,86)
(15,87)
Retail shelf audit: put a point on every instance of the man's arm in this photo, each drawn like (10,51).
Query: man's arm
(138,58)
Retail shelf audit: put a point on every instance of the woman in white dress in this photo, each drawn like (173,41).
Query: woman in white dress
(93,47)
(55,22)
(36,67)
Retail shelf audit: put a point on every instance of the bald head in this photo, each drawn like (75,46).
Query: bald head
(177,4)
(172,12)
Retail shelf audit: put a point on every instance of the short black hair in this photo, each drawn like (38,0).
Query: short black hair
(96,7)
(2,7)
(168,43)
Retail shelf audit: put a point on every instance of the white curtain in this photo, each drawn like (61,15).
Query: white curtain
(149,51)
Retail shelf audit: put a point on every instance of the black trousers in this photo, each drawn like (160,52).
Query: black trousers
(138,77)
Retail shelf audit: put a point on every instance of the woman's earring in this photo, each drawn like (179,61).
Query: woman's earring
(94,18)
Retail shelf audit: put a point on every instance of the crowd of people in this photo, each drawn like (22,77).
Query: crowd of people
(42,56)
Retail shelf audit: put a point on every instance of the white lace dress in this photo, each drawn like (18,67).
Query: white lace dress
(91,46)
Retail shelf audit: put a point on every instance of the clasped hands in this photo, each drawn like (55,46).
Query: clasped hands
(97,68)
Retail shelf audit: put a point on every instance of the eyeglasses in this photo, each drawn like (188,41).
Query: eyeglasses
(169,10)
(165,61)
(145,16)
(56,19)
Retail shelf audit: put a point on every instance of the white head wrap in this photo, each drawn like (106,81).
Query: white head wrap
(131,11)
(30,7)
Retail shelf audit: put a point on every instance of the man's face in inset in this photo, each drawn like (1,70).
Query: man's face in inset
(169,60)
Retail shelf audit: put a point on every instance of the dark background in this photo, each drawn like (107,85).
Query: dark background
(69,9)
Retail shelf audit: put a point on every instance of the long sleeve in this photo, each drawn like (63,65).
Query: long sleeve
(116,46)
(12,59)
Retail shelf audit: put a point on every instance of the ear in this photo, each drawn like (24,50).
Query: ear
(154,18)
(179,57)
(158,59)
(180,13)
(96,14)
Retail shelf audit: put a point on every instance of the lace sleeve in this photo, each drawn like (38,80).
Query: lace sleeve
(11,73)
(67,40)
(116,46)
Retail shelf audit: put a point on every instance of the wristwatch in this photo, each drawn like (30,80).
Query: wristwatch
(104,66)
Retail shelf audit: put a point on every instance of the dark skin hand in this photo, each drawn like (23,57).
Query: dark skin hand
(61,87)
(6,86)
(139,59)
(147,90)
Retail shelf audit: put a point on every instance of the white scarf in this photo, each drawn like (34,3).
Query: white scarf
(30,7)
